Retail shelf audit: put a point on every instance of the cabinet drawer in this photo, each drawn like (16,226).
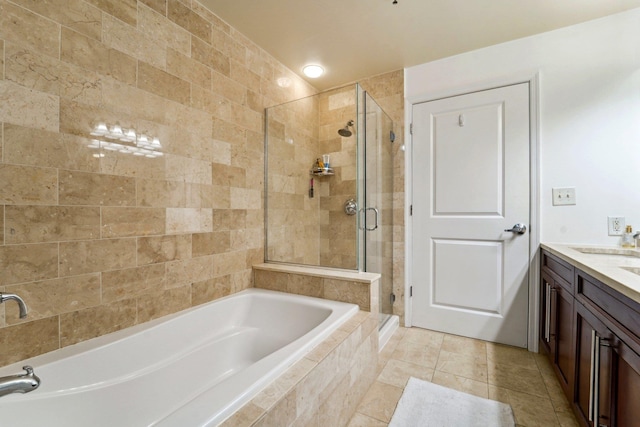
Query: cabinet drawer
(561,272)
(560,268)
(622,311)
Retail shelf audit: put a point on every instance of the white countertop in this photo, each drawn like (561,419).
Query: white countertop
(606,267)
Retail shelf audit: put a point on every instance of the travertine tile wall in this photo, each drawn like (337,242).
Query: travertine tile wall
(292,147)
(97,240)
(388,91)
(323,388)
(338,231)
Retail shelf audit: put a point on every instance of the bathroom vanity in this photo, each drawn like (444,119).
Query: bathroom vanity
(590,329)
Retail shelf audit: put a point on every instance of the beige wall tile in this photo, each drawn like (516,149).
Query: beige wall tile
(35,224)
(180,64)
(28,185)
(1,225)
(183,272)
(75,14)
(18,25)
(79,188)
(22,106)
(116,163)
(159,6)
(162,303)
(2,59)
(52,297)
(29,339)
(346,291)
(125,38)
(162,83)
(305,285)
(42,148)
(93,55)
(271,280)
(211,289)
(92,322)
(24,263)
(155,26)
(153,250)
(123,222)
(188,220)
(124,10)
(132,282)
(242,198)
(46,74)
(209,56)
(210,243)
(96,255)
(229,262)
(188,170)
(189,20)
(157,193)
(68,68)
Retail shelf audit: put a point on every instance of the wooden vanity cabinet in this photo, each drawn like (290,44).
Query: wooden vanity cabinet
(556,320)
(594,350)
(607,362)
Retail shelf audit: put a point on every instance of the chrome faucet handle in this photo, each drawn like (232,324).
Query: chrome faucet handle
(4,296)
(29,370)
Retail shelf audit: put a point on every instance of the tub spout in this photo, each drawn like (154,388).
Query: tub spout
(23,307)
(21,383)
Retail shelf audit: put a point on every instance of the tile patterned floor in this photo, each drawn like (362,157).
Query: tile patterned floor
(515,376)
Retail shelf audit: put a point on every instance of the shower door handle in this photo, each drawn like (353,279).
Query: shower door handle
(375,225)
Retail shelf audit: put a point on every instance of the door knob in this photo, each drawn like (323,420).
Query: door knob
(518,229)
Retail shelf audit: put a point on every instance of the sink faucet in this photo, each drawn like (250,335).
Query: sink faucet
(23,307)
(21,383)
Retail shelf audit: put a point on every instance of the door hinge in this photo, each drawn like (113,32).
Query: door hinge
(410,291)
(392,298)
(410,128)
(410,210)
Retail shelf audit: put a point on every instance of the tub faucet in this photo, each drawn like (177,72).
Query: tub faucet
(23,307)
(21,383)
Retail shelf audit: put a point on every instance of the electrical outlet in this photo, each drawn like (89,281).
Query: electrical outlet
(616,225)
(564,196)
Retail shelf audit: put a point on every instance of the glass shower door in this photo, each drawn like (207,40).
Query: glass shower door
(377,200)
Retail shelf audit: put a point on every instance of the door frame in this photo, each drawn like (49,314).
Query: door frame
(533,79)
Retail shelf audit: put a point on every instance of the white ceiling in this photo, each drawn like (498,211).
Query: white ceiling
(354,39)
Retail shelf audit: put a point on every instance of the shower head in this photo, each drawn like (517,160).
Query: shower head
(345,130)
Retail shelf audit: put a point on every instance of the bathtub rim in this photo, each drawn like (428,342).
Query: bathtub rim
(111,337)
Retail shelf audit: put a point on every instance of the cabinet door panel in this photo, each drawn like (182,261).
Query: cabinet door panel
(565,353)
(585,388)
(627,387)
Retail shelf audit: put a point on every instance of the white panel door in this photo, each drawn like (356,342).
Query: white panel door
(470,183)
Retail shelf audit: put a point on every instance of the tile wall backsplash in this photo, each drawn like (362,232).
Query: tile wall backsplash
(100,233)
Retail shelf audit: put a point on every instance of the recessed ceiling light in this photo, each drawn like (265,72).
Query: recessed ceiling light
(313,71)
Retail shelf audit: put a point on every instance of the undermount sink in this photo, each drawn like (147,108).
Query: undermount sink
(609,251)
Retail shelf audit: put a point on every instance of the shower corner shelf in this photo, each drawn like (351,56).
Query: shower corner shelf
(322,172)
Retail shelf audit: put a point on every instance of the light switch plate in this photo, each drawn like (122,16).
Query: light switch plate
(564,196)
(616,225)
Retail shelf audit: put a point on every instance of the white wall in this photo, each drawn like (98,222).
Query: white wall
(589,116)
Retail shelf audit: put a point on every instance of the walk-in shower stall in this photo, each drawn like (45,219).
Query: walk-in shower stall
(329,185)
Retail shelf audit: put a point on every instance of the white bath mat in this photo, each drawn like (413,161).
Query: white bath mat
(424,404)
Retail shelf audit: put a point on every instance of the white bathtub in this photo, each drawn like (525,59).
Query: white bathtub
(193,368)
